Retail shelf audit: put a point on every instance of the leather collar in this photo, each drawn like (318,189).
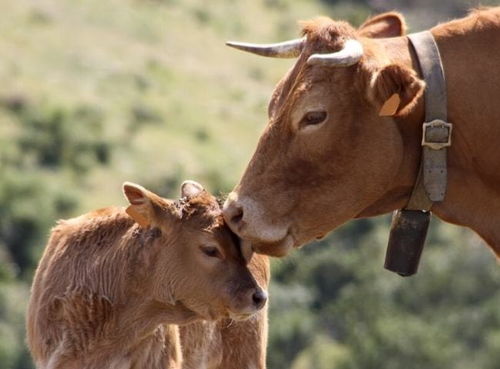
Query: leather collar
(409,225)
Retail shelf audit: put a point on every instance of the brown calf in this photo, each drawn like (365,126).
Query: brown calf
(113,285)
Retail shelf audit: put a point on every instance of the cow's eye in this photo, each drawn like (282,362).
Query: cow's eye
(211,251)
(313,118)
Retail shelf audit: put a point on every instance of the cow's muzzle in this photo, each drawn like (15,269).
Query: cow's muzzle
(249,220)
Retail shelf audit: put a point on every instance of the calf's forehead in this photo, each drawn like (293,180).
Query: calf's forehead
(203,211)
(203,223)
(227,240)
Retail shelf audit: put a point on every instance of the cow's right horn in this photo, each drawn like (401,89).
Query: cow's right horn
(349,55)
(287,49)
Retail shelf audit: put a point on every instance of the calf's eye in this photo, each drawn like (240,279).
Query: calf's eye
(211,251)
(313,118)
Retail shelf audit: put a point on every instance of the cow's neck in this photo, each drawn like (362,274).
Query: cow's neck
(473,193)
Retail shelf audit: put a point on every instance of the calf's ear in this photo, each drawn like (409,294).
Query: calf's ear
(141,205)
(191,189)
(394,90)
(391,24)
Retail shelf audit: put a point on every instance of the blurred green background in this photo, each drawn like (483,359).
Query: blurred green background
(97,92)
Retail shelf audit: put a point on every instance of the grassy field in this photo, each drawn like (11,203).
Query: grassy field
(172,99)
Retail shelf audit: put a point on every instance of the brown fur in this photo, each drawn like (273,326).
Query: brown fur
(225,344)
(109,293)
(302,184)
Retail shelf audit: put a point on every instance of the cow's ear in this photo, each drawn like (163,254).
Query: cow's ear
(391,24)
(141,203)
(394,90)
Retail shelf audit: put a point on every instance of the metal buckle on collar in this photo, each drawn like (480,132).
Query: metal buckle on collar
(436,134)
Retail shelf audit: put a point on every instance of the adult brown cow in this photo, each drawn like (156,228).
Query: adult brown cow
(327,154)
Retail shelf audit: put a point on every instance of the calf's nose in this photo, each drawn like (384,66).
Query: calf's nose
(259,298)
(233,214)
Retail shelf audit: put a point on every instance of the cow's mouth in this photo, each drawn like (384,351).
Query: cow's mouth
(278,248)
(249,219)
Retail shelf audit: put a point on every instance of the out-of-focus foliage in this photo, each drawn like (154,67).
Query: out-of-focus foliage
(353,313)
(102,91)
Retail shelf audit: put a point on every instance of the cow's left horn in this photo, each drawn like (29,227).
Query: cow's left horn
(287,49)
(349,55)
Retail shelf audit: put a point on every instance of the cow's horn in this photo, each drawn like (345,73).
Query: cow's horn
(349,55)
(287,49)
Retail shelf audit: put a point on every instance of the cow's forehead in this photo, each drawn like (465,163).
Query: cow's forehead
(325,34)
(285,87)
(322,35)
(298,83)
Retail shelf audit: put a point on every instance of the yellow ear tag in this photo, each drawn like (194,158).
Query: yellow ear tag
(390,107)
(137,216)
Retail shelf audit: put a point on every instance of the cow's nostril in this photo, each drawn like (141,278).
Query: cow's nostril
(237,216)
(233,213)
(259,298)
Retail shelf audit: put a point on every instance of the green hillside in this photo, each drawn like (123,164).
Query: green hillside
(97,92)
(153,78)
